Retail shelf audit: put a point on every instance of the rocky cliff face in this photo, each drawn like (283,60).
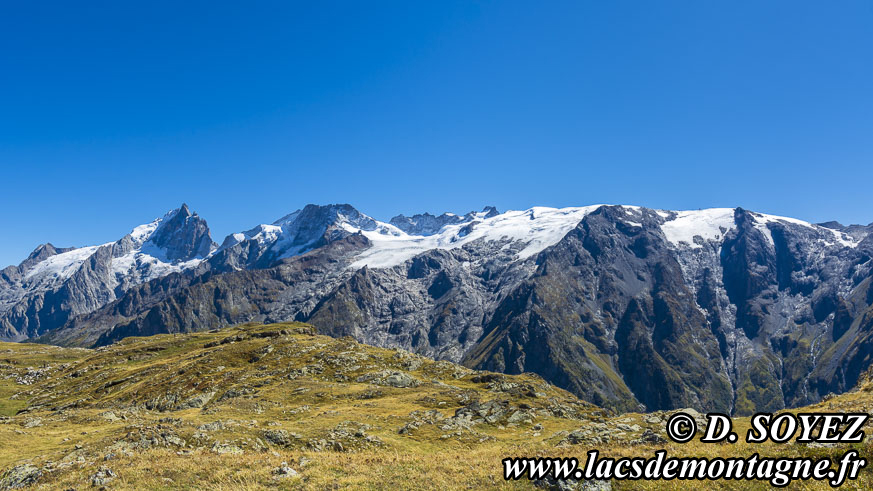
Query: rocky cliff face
(734,322)
(628,307)
(608,314)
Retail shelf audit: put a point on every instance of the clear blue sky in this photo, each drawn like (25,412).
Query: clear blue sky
(112,113)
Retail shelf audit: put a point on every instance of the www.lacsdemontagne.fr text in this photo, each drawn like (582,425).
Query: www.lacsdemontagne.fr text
(681,428)
(777,471)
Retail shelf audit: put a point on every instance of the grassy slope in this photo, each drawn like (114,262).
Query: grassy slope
(143,401)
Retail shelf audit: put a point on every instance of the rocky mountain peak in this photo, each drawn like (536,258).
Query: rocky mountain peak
(182,235)
(315,225)
(42,252)
(311,227)
(490,211)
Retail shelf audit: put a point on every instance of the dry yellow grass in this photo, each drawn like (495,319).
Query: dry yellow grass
(90,409)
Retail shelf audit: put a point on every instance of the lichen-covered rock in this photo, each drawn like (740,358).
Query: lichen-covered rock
(282,438)
(20,476)
(103,476)
(390,378)
(284,471)
(226,448)
(552,484)
(346,436)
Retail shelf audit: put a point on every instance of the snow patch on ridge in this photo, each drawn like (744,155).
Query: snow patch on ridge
(148,266)
(60,266)
(710,224)
(761,221)
(142,233)
(262,233)
(714,223)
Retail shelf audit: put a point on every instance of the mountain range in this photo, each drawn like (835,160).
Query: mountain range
(627,307)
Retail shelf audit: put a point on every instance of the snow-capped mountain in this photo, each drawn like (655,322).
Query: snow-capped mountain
(629,307)
(53,284)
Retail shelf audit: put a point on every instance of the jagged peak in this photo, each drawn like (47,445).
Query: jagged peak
(41,253)
(181,235)
(490,211)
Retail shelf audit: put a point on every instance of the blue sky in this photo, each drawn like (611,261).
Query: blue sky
(112,113)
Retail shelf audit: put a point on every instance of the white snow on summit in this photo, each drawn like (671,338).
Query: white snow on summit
(262,233)
(141,266)
(714,223)
(761,221)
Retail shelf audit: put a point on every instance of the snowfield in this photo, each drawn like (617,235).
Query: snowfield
(538,228)
(711,224)
(61,266)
